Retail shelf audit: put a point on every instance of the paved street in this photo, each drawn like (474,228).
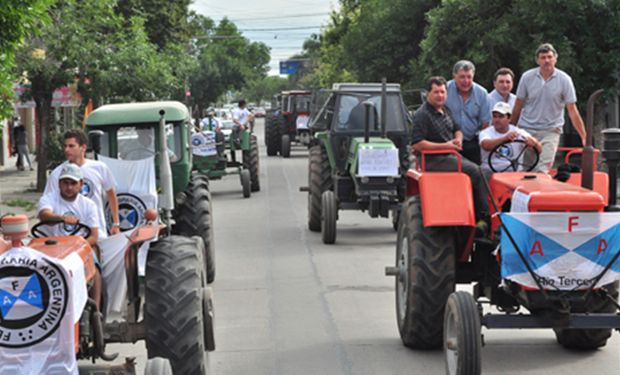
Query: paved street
(287,304)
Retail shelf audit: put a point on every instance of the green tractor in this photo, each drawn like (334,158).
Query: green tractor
(215,154)
(359,155)
(289,123)
(135,131)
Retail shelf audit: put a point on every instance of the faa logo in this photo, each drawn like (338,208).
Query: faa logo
(130,211)
(33,300)
(87,188)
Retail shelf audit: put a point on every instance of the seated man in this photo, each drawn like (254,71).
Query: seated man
(502,131)
(70,207)
(434,129)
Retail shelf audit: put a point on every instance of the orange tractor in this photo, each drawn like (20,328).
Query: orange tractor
(438,247)
(48,321)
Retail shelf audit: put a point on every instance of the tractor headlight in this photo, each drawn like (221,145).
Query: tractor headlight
(390,180)
(365,180)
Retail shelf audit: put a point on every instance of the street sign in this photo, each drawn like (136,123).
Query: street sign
(290,66)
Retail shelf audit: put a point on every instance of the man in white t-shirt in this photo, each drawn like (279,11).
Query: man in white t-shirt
(242,118)
(502,131)
(70,208)
(97,180)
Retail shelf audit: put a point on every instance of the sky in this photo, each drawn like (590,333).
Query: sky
(259,21)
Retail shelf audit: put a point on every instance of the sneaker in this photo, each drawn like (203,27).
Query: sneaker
(32,169)
(482,228)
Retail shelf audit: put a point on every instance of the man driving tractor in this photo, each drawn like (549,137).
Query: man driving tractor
(70,208)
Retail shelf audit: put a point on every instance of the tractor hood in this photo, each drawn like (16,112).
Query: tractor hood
(377,158)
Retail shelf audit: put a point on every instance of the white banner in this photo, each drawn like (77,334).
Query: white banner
(41,299)
(378,162)
(203,144)
(567,249)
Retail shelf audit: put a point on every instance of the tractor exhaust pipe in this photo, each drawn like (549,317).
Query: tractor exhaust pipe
(383,107)
(611,153)
(587,159)
(368,106)
(166,199)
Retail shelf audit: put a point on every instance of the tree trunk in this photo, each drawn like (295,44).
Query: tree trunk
(43,109)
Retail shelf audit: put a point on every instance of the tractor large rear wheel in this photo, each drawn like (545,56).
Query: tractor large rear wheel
(590,339)
(425,260)
(319,180)
(272,135)
(250,162)
(194,218)
(173,305)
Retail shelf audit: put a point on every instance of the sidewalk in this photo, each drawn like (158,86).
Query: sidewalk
(17,190)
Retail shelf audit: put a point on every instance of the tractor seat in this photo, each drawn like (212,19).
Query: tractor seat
(358,116)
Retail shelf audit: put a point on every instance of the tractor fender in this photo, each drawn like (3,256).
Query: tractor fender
(446,197)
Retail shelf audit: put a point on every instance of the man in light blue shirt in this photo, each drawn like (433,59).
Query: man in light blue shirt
(503,80)
(468,104)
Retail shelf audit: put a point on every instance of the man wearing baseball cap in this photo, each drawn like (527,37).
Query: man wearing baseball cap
(501,132)
(69,207)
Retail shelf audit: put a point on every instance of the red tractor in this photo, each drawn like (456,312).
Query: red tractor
(289,123)
(438,248)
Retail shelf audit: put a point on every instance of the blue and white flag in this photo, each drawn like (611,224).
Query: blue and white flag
(568,250)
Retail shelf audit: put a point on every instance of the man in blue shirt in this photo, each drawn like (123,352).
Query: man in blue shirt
(468,103)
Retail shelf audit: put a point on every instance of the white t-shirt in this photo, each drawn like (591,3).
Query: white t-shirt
(215,123)
(241,115)
(82,208)
(97,181)
(510,151)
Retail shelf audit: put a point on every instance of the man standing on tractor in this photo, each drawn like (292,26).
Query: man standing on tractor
(502,131)
(503,82)
(97,179)
(243,119)
(542,95)
(70,208)
(468,103)
(434,129)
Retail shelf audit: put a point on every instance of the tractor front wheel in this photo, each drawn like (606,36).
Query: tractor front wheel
(319,180)
(173,304)
(329,216)
(425,260)
(250,162)
(462,337)
(194,218)
(285,146)
(246,183)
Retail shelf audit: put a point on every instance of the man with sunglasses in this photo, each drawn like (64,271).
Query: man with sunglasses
(502,131)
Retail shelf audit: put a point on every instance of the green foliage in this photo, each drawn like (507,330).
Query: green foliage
(265,88)
(55,150)
(22,203)
(227,61)
(17,19)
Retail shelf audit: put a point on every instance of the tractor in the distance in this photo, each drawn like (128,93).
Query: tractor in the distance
(359,155)
(216,154)
(289,123)
(551,250)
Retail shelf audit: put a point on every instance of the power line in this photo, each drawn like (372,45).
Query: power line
(279,17)
(283,28)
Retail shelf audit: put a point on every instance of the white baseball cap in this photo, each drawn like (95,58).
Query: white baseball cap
(503,108)
(70,171)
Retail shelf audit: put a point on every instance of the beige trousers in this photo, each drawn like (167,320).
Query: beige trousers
(550,139)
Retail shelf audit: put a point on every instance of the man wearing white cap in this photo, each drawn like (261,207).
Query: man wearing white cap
(70,207)
(502,131)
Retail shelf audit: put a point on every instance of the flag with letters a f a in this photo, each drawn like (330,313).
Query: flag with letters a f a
(568,250)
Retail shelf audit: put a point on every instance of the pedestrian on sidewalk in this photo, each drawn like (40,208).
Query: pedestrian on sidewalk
(20,145)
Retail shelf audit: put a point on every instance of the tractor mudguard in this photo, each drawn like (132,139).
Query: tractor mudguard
(446,197)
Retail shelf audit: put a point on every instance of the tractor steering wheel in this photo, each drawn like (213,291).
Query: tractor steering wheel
(515,161)
(38,233)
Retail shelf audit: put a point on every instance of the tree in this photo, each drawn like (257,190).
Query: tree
(18,18)
(265,88)
(226,61)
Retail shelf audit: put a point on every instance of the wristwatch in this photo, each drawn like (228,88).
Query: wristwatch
(116,224)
